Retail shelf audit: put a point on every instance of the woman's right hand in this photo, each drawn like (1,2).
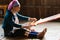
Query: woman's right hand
(27,27)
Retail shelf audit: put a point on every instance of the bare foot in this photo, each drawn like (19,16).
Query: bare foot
(41,34)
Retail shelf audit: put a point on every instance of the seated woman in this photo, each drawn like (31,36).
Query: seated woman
(11,20)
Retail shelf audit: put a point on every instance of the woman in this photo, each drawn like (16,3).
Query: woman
(11,20)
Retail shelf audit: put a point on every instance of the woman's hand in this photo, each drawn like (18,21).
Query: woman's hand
(32,19)
(32,23)
(27,27)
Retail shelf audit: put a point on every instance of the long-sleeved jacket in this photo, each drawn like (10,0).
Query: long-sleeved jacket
(8,23)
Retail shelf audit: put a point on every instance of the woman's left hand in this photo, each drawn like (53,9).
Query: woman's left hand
(32,19)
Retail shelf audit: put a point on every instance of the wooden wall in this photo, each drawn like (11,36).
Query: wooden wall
(4,1)
(38,8)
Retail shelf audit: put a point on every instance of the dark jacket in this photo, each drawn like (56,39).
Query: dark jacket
(8,23)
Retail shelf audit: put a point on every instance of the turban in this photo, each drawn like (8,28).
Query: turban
(13,3)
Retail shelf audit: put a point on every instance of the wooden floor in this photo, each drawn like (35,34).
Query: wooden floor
(53,31)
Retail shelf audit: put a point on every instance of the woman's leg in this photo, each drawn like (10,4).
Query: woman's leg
(41,34)
(7,33)
(22,32)
(36,34)
(19,32)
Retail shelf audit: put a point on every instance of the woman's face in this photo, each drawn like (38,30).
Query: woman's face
(16,9)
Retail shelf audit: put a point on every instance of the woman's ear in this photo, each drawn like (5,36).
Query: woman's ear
(13,8)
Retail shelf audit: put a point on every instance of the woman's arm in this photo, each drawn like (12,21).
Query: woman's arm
(14,24)
(21,17)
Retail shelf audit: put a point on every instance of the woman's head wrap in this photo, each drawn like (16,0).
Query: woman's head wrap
(13,4)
